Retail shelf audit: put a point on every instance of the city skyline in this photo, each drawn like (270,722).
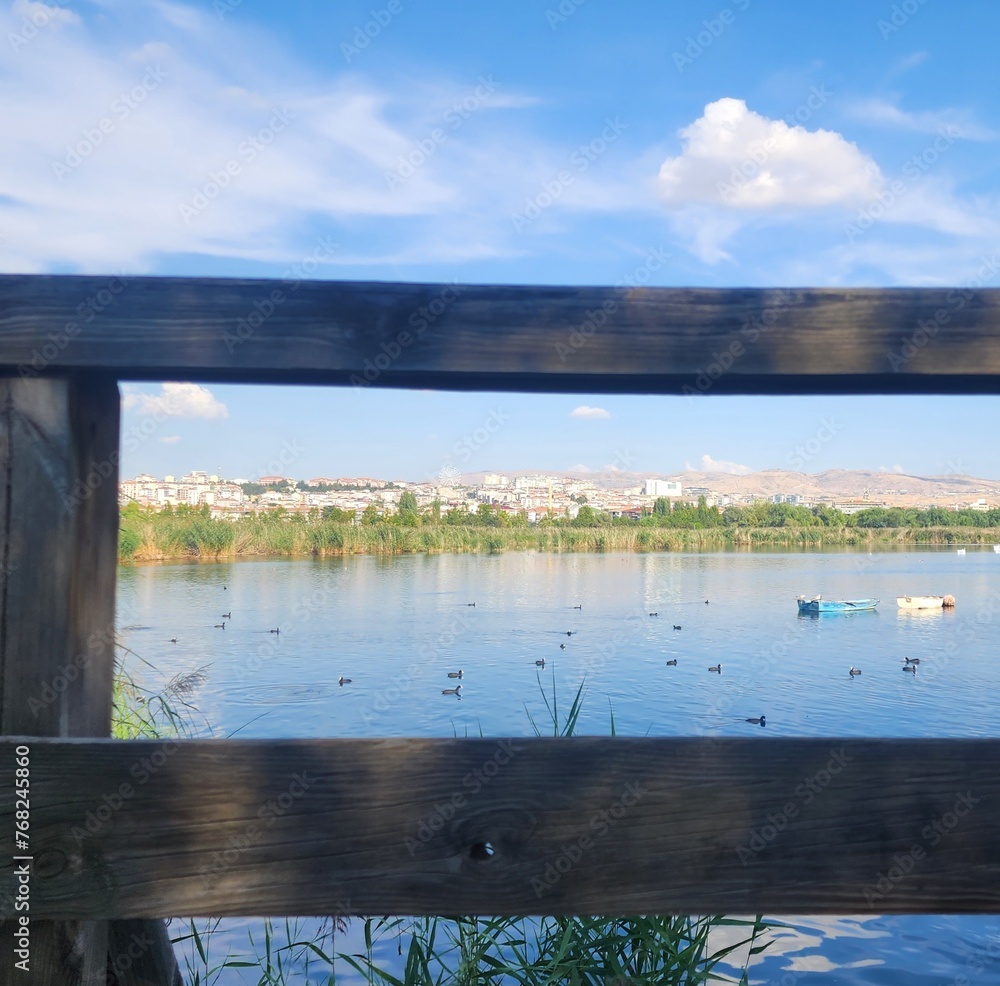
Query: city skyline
(254,431)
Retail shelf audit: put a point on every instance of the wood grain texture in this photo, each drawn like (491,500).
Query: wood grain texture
(514,338)
(60,553)
(58,543)
(585,825)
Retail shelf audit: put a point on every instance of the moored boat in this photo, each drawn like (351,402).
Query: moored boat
(920,602)
(820,605)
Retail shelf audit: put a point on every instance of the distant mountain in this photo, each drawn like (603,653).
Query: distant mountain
(836,483)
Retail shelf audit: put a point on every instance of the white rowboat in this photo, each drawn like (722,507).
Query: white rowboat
(920,602)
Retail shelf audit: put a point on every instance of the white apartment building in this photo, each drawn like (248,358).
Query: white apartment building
(662,487)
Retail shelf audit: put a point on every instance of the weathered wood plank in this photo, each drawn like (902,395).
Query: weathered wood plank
(516,338)
(60,550)
(588,825)
(58,543)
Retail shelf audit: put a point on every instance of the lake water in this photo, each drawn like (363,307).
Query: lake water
(397,626)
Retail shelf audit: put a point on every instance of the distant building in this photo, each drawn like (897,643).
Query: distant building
(199,477)
(274,481)
(662,487)
(495,479)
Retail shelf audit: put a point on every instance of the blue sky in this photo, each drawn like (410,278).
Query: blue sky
(738,143)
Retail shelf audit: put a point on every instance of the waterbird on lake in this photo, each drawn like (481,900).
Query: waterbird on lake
(912,660)
(343,681)
(578,607)
(470,604)
(173,640)
(706,602)
(227,616)
(675,626)
(757,722)
(275,630)
(672,664)
(452,691)
(854,671)
(455,674)
(220,626)
(562,647)
(541,663)
(909,667)
(654,614)
(717,668)
(569,633)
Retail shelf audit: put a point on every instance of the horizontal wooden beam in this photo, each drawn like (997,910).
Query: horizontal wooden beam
(477,337)
(521,826)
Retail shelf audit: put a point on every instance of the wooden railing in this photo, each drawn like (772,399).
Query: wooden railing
(122,834)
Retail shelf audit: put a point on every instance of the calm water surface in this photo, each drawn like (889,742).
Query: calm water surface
(396,626)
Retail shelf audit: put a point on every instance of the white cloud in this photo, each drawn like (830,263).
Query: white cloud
(708,464)
(590,413)
(170,439)
(893,469)
(579,467)
(951,122)
(739,159)
(177,400)
(91,180)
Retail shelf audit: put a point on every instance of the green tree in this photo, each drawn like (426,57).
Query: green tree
(370,515)
(409,513)
(338,516)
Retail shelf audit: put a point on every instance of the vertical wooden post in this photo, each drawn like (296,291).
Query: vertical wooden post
(58,557)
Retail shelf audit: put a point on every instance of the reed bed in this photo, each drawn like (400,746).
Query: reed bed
(157,537)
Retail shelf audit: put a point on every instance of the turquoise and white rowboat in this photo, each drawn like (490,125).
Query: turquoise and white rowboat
(820,605)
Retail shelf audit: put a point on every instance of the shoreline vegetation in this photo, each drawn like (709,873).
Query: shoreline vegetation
(190,533)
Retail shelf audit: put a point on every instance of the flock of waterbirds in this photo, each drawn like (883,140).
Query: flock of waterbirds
(910,664)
